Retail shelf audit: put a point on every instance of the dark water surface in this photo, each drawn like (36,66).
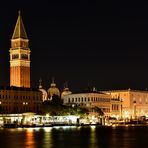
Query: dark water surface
(75,137)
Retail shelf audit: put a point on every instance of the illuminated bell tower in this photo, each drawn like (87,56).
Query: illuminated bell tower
(19,56)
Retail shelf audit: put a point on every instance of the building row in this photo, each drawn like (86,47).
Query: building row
(126,103)
(19,97)
(116,103)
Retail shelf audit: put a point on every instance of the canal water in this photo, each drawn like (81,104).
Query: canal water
(75,137)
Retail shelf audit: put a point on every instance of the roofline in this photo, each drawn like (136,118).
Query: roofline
(126,90)
(87,93)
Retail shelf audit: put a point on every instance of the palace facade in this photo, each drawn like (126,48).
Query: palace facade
(134,102)
(110,106)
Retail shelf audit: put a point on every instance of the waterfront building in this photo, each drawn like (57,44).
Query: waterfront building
(90,99)
(19,100)
(20,56)
(134,102)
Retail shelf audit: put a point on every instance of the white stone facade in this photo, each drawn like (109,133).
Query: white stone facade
(134,102)
(88,100)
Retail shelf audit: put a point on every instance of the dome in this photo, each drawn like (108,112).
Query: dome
(65,92)
(44,93)
(53,90)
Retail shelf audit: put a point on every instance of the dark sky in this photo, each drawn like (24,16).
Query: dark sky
(104,44)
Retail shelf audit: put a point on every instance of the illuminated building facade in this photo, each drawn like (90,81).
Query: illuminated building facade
(110,106)
(19,100)
(134,102)
(20,56)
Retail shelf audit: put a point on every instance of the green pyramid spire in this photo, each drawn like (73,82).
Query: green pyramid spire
(19,31)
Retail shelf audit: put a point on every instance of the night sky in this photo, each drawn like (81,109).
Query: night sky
(101,44)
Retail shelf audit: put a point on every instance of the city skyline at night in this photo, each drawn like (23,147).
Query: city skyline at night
(73,74)
(83,44)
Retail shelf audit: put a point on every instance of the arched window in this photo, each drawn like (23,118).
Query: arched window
(79,99)
(75,99)
(72,99)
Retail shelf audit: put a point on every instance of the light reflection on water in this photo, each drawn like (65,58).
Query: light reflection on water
(30,142)
(93,138)
(75,137)
(47,137)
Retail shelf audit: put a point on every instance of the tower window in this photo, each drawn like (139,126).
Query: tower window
(24,56)
(15,56)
